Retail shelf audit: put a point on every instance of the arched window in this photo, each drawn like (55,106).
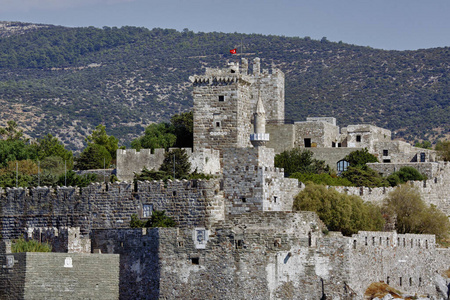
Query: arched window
(342,166)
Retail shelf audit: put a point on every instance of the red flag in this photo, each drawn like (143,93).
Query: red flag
(233,51)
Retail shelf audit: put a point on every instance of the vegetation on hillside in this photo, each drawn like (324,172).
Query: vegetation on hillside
(65,81)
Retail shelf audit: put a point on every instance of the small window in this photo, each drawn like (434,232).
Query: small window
(333,144)
(217,124)
(174,193)
(244,199)
(147,210)
(385,152)
(386,161)
(180,244)
(221,98)
(339,145)
(358,138)
(422,156)
(195,260)
(275,199)
(239,244)
(400,281)
(307,143)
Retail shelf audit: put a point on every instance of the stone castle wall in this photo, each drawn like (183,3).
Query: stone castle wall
(435,190)
(404,261)
(32,275)
(190,203)
(130,161)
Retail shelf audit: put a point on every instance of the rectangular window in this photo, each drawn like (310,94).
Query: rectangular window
(385,152)
(239,244)
(358,138)
(422,156)
(147,210)
(221,98)
(307,143)
(195,260)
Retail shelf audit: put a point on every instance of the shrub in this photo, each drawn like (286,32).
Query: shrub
(324,178)
(297,160)
(22,245)
(339,212)
(413,215)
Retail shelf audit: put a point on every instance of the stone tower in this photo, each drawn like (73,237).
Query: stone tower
(259,137)
(222,108)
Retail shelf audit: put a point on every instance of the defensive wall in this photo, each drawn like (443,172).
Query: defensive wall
(33,275)
(257,256)
(130,161)
(189,203)
(434,190)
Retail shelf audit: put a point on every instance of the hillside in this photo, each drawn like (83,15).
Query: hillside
(65,81)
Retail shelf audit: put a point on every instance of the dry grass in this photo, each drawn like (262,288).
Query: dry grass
(379,290)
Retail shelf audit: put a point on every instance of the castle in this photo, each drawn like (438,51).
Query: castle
(237,237)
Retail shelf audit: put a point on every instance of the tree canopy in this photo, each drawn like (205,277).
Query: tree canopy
(339,212)
(413,215)
(298,160)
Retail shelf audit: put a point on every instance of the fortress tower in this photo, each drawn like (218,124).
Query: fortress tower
(225,99)
(222,109)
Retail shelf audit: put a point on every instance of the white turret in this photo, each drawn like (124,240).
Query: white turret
(259,137)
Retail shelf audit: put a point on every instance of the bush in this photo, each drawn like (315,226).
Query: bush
(403,175)
(364,176)
(158,219)
(324,178)
(413,215)
(300,161)
(339,212)
(21,245)
(360,158)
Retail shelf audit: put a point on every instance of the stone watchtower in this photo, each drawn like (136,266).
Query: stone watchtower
(222,108)
(225,99)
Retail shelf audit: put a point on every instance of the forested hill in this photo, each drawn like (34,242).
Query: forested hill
(65,81)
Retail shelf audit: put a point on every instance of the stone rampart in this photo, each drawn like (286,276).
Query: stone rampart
(404,261)
(434,190)
(33,275)
(190,203)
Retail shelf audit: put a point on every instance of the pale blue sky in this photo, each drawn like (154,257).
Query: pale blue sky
(384,24)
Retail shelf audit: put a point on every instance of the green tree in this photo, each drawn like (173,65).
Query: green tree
(403,175)
(155,136)
(339,212)
(73,179)
(364,176)
(443,148)
(51,146)
(99,137)
(93,157)
(297,160)
(413,215)
(424,144)
(176,159)
(183,128)
(360,158)
(15,150)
